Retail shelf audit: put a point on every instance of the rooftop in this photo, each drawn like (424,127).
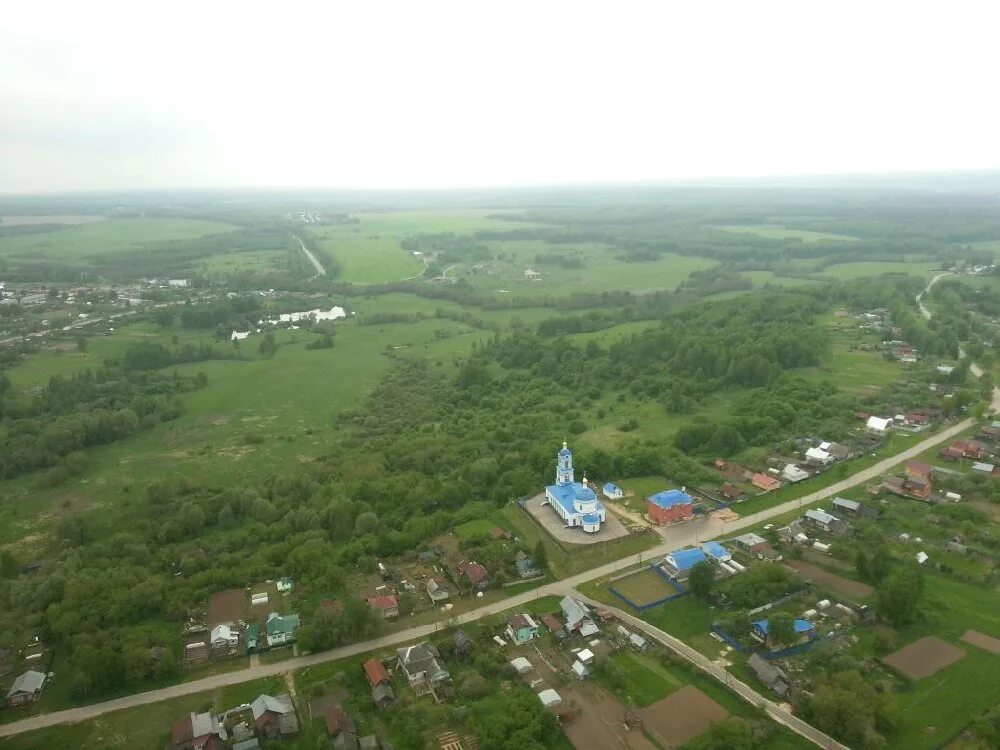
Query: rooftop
(670,498)
(685,559)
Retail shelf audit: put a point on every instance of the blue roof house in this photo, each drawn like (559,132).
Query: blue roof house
(575,502)
(716,552)
(804,630)
(612,491)
(682,560)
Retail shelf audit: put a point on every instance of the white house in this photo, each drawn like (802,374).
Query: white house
(819,456)
(612,491)
(878,425)
(792,473)
(224,638)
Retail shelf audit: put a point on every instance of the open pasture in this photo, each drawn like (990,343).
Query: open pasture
(43,219)
(859,269)
(923,658)
(114,235)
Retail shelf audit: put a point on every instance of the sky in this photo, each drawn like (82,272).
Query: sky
(378,94)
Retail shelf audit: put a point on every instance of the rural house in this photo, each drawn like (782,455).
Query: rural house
(732,493)
(375,672)
(755,545)
(819,457)
(825,521)
(804,631)
(27,688)
(877,425)
(521,628)
(224,639)
(383,697)
(577,617)
(792,473)
(669,507)
(436,590)
(198,732)
(772,676)
(526,567)
(463,644)
(385,606)
(716,552)
(422,664)
(476,574)
(555,627)
(764,482)
(681,561)
(281,629)
(274,716)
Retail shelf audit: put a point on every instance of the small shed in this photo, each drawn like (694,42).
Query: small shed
(580,670)
(586,656)
(638,642)
(521,665)
(550,698)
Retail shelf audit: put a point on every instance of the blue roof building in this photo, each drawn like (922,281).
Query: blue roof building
(575,502)
(682,560)
(670,498)
(803,629)
(716,551)
(612,491)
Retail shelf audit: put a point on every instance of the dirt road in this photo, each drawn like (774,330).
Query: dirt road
(312,258)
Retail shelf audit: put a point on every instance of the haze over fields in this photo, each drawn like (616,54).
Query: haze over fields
(446,94)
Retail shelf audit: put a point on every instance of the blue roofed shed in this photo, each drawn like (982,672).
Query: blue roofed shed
(612,491)
(803,629)
(685,559)
(716,551)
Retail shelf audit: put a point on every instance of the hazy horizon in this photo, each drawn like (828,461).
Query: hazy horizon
(392,96)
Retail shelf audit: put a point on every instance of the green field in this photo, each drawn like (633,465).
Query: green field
(111,236)
(847,271)
(781,232)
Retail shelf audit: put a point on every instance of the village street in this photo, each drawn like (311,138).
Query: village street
(680,535)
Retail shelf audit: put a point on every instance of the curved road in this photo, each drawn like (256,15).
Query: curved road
(707,527)
(975,369)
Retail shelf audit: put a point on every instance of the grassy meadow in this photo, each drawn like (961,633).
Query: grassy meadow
(114,235)
(781,232)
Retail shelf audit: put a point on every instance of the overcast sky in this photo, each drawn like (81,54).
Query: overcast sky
(371,94)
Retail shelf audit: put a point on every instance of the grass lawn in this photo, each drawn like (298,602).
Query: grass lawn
(114,235)
(764,278)
(366,257)
(479,527)
(781,232)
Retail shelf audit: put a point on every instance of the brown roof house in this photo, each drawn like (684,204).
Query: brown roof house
(274,715)
(386,606)
(476,573)
(198,732)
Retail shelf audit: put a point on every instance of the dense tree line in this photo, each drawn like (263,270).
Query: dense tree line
(87,409)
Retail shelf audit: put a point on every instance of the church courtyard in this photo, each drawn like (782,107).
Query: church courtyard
(611,529)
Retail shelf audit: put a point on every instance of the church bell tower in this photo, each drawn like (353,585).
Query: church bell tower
(564,465)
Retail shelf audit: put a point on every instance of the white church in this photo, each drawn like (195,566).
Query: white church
(575,502)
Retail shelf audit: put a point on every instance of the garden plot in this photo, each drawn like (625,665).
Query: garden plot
(987,642)
(923,658)
(643,588)
(681,716)
(841,585)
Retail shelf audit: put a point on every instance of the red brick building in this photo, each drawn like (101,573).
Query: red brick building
(669,507)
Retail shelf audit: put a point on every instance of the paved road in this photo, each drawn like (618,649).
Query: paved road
(751,696)
(674,536)
(312,258)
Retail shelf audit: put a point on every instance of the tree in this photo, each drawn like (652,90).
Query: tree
(898,596)
(541,555)
(846,706)
(734,733)
(366,523)
(701,581)
(81,343)
(268,346)
(781,629)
